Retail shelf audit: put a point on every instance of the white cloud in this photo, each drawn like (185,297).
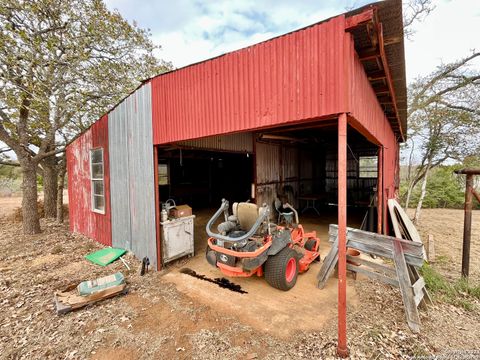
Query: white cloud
(190,31)
(449,33)
(211,28)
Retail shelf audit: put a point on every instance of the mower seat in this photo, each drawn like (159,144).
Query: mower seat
(246,213)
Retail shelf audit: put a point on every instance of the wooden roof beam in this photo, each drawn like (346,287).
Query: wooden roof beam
(381,89)
(355,21)
(370,54)
(376,75)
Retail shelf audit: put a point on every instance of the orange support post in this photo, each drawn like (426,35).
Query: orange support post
(342,350)
(380,192)
(157,208)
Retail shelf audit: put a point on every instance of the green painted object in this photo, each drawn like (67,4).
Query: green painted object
(105,256)
(90,287)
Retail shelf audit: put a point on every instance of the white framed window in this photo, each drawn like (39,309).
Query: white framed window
(163,178)
(97,180)
(368,167)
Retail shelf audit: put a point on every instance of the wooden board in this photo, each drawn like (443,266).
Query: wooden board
(68,299)
(381,245)
(328,265)
(411,312)
(394,207)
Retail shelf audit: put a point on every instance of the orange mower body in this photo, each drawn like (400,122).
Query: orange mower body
(278,255)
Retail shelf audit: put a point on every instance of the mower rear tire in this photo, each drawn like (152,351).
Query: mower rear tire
(281,270)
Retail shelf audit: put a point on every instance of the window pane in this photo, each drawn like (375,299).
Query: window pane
(98,203)
(97,171)
(97,156)
(162,174)
(368,166)
(98,187)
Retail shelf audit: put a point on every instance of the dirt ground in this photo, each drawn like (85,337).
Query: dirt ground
(446,226)
(168,315)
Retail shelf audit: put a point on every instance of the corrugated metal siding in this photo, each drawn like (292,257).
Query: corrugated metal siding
(242,142)
(268,163)
(276,167)
(298,76)
(133,196)
(120,184)
(366,109)
(82,219)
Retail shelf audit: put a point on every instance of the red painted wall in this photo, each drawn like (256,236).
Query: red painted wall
(294,77)
(82,219)
(370,118)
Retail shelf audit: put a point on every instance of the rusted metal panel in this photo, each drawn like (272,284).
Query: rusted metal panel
(277,171)
(289,163)
(82,219)
(133,192)
(268,163)
(295,77)
(241,142)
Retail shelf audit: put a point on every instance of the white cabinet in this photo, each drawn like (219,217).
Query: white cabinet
(177,238)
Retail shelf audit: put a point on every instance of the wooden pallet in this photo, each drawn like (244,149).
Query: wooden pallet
(407,257)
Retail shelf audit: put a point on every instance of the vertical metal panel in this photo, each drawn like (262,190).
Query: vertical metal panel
(82,219)
(297,76)
(289,163)
(133,193)
(241,142)
(120,179)
(268,163)
(276,167)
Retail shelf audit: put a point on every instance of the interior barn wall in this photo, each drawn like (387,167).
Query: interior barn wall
(277,167)
(297,76)
(82,219)
(241,142)
(359,189)
(132,177)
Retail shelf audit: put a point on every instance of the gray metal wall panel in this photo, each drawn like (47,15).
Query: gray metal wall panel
(132,178)
(142,191)
(119,179)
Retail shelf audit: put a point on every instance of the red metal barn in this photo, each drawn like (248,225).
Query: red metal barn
(273,102)
(306,113)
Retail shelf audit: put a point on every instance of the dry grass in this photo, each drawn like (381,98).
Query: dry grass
(17,215)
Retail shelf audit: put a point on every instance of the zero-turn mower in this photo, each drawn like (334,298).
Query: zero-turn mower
(248,244)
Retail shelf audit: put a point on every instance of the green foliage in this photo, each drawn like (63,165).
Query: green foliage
(65,63)
(445,189)
(10,179)
(458,293)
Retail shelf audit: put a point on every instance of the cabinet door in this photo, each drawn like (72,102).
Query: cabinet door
(178,239)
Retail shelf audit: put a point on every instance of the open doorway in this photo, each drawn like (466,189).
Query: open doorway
(300,164)
(202,178)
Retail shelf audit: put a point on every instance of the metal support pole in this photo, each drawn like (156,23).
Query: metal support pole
(342,349)
(467,226)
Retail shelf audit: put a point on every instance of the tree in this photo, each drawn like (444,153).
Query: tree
(443,120)
(415,11)
(62,64)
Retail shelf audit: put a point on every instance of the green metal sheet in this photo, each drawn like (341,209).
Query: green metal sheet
(105,256)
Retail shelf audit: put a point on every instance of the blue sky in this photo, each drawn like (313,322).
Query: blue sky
(193,30)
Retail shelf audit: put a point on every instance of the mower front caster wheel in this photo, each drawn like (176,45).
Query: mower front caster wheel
(281,270)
